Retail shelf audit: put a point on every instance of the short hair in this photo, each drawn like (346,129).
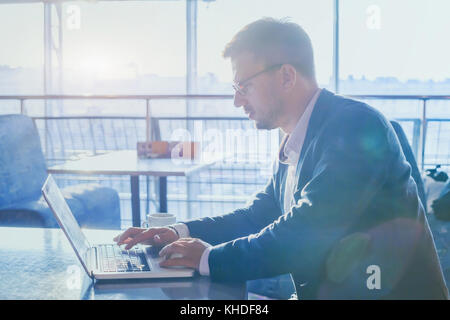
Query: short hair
(274,42)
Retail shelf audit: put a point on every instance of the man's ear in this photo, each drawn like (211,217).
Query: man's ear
(288,76)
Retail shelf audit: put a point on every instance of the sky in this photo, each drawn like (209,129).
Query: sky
(405,39)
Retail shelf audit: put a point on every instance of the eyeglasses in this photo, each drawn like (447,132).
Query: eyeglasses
(242,86)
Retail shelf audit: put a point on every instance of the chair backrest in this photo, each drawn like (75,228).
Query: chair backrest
(22,164)
(409,155)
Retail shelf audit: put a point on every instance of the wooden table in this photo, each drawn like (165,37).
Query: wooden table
(126,162)
(38,263)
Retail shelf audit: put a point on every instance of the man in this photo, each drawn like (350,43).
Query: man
(340,213)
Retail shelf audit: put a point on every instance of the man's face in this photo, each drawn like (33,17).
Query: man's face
(261,100)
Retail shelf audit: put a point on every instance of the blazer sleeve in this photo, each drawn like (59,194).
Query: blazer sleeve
(352,157)
(261,210)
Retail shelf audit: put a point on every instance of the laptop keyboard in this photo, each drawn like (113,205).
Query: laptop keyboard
(114,259)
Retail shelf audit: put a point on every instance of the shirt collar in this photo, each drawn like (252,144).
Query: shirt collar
(292,144)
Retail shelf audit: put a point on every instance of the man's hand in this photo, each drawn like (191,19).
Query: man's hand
(191,251)
(152,236)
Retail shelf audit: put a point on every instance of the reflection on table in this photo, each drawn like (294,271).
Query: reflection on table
(39,263)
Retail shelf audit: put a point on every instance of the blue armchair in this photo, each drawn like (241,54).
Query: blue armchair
(23,172)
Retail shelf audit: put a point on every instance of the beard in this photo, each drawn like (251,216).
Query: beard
(264,125)
(269,120)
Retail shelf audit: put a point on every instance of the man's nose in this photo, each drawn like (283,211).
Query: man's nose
(239,100)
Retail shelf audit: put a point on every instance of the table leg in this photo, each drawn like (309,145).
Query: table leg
(162,194)
(135,201)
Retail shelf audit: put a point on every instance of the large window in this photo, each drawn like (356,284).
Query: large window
(395,47)
(21,49)
(219,20)
(140,47)
(132,47)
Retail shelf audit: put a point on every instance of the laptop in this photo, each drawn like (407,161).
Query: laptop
(107,261)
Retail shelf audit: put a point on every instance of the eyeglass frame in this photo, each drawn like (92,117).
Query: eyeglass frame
(240,85)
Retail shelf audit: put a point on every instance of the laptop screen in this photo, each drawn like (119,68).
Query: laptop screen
(65,218)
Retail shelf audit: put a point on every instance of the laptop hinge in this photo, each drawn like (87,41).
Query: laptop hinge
(93,260)
(95,253)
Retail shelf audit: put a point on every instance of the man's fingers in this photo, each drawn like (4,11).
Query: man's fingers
(191,250)
(185,239)
(163,237)
(174,247)
(152,236)
(182,262)
(141,237)
(128,233)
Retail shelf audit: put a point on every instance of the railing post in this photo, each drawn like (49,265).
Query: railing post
(424,131)
(148,137)
(191,84)
(22,110)
(335,76)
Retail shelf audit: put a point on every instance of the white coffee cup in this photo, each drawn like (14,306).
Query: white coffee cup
(160,219)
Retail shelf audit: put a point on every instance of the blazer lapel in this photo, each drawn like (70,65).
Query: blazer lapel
(321,110)
(282,172)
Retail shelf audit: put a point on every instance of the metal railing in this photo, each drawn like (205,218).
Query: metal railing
(216,190)
(418,143)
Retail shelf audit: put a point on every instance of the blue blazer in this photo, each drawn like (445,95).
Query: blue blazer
(357,229)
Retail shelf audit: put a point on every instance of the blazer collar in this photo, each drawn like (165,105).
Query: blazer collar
(319,114)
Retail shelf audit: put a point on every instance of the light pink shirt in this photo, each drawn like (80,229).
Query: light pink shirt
(292,149)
